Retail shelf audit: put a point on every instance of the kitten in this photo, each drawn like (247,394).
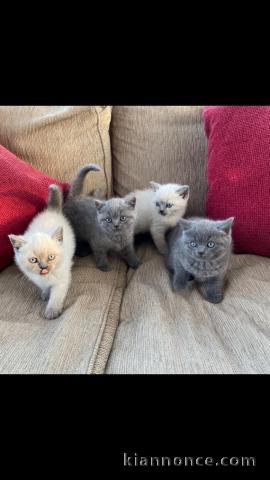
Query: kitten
(107,225)
(200,249)
(44,253)
(158,209)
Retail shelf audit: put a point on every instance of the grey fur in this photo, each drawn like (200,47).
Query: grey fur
(88,218)
(55,199)
(207,265)
(77,184)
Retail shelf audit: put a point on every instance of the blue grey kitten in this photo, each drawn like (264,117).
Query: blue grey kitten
(200,249)
(106,225)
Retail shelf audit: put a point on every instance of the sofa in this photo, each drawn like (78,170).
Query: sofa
(126,321)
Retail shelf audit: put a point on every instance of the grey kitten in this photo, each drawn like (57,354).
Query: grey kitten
(107,225)
(200,249)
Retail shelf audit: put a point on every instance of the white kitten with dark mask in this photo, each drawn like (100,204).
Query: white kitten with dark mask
(44,253)
(158,209)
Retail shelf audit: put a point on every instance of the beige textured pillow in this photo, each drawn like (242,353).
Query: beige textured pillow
(60,139)
(164,144)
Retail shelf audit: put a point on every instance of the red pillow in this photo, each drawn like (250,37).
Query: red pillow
(23,193)
(239,173)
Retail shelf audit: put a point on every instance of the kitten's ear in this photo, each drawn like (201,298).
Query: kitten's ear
(131,202)
(58,234)
(183,191)
(155,186)
(99,204)
(17,241)
(225,225)
(184,224)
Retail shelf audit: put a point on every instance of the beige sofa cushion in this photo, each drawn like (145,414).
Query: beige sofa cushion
(165,332)
(165,144)
(79,341)
(60,139)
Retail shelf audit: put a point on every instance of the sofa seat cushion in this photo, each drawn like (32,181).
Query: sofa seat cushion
(162,332)
(58,140)
(79,341)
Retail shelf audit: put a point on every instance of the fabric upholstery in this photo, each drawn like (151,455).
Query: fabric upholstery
(58,140)
(167,333)
(79,341)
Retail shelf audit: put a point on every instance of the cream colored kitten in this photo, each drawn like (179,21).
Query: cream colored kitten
(44,253)
(158,209)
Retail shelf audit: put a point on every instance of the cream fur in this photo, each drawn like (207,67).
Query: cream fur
(48,234)
(148,217)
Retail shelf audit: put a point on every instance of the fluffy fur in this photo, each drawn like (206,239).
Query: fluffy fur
(200,249)
(106,225)
(158,209)
(44,253)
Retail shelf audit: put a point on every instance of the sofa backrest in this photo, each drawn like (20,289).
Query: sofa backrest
(160,143)
(135,143)
(60,139)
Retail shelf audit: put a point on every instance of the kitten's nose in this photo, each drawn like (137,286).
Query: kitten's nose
(116,226)
(42,265)
(201,253)
(162,212)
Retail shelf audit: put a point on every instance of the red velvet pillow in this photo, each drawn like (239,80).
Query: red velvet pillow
(23,193)
(239,173)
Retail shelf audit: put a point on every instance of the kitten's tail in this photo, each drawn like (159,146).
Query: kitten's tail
(77,184)
(55,200)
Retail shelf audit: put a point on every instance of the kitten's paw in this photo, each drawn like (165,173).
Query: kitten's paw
(104,268)
(45,294)
(82,253)
(178,285)
(163,250)
(135,265)
(216,298)
(170,268)
(51,313)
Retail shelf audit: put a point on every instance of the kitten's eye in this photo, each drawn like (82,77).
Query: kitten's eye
(210,244)
(193,244)
(169,205)
(33,260)
(51,257)
(122,219)
(108,220)
(157,204)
